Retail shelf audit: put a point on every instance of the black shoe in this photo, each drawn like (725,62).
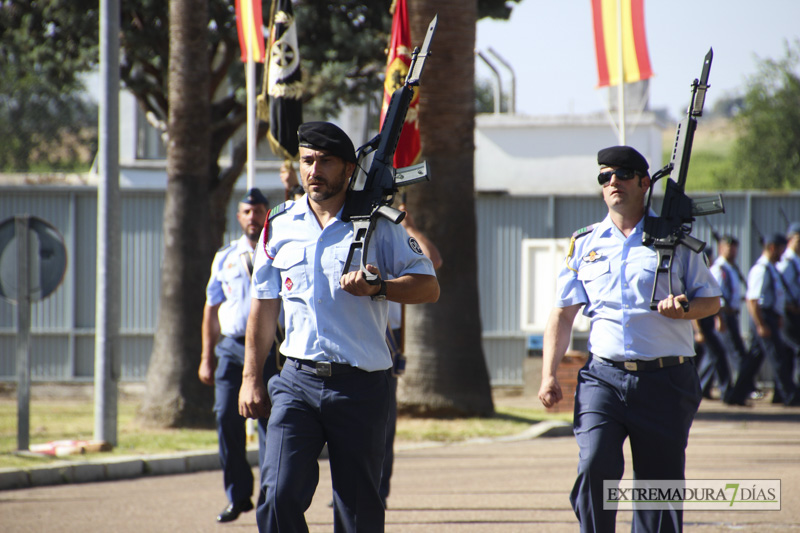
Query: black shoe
(233,510)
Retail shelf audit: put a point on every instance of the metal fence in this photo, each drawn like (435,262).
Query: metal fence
(62,326)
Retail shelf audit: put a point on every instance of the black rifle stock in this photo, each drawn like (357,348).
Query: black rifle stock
(674,225)
(365,205)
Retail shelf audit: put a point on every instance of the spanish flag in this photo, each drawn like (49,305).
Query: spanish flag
(609,17)
(250,24)
(408,147)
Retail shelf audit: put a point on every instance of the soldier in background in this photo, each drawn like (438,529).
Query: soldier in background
(221,362)
(766,300)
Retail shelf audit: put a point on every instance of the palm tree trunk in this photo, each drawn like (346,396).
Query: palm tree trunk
(174,395)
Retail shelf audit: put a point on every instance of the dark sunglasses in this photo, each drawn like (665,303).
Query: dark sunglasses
(623,174)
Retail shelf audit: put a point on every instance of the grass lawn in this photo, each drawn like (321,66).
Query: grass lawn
(61,418)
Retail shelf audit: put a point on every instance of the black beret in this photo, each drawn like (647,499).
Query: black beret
(730,239)
(622,156)
(776,238)
(328,137)
(253,197)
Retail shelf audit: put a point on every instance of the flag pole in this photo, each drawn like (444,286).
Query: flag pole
(250,82)
(621,87)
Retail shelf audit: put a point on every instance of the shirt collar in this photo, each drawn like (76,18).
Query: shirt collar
(301,209)
(607,227)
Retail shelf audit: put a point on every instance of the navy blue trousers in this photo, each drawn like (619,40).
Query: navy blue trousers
(714,362)
(237,473)
(734,335)
(791,337)
(347,411)
(391,428)
(655,411)
(774,350)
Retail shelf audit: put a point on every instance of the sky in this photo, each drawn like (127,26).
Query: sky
(550,46)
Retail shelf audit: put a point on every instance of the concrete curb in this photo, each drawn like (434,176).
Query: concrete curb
(116,468)
(112,469)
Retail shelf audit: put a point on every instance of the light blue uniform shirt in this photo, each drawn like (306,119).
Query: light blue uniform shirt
(613,276)
(764,285)
(229,285)
(729,282)
(303,267)
(789,267)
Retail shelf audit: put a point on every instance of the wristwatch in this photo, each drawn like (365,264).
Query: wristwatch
(381,294)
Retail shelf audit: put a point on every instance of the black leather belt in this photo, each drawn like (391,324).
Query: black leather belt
(649,365)
(239,340)
(322,368)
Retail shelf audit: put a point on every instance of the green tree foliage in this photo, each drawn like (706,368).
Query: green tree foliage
(766,154)
(47,44)
(45,122)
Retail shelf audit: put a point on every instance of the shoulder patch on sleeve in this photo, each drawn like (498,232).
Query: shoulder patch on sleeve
(414,245)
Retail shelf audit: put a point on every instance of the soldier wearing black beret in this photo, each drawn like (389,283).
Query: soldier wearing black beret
(328,137)
(333,388)
(623,157)
(639,384)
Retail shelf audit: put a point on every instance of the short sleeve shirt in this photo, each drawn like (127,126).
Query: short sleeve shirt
(728,279)
(302,264)
(764,286)
(229,286)
(613,277)
(789,267)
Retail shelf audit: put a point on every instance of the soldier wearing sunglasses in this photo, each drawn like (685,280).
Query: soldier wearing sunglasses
(639,383)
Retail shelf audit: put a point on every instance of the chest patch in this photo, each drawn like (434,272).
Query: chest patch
(592,256)
(289,284)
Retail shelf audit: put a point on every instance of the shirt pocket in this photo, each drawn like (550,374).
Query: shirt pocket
(597,271)
(339,254)
(292,264)
(231,273)
(647,277)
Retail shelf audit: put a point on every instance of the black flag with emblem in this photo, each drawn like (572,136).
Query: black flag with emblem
(283,84)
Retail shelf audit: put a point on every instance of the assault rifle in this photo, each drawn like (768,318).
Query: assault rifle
(674,226)
(364,206)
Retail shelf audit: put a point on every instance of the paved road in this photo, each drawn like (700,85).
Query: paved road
(499,486)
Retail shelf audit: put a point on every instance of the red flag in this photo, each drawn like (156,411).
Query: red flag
(408,147)
(250,24)
(635,57)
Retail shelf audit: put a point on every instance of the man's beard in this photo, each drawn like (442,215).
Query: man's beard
(330,188)
(254,234)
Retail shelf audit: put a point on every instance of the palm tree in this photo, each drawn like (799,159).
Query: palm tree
(174,396)
(446,372)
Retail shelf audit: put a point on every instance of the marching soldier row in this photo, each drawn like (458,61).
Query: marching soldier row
(771,296)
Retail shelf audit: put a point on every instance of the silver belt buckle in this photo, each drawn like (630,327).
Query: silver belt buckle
(324,369)
(631,365)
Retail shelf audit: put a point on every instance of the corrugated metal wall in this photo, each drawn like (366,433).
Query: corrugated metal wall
(62,343)
(503,221)
(62,325)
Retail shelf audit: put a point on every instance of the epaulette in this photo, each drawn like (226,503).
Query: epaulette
(584,231)
(226,246)
(575,236)
(279,209)
(274,212)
